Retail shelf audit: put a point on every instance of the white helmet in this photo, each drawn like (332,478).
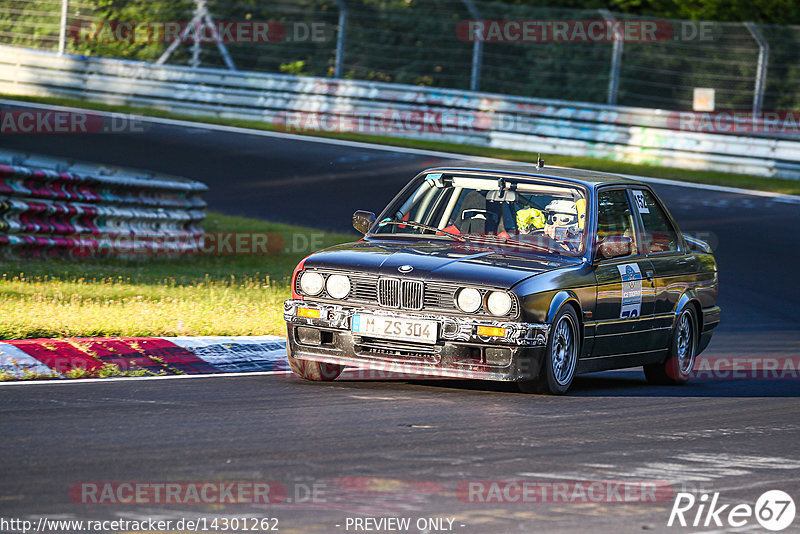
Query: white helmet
(562,206)
(562,212)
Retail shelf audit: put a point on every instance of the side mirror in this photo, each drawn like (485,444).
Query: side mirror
(614,246)
(362,220)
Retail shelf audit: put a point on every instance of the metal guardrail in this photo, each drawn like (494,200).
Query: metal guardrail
(637,135)
(48,207)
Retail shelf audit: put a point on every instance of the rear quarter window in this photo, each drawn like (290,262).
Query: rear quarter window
(660,236)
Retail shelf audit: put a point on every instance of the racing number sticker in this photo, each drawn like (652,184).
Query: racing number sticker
(631,290)
(641,202)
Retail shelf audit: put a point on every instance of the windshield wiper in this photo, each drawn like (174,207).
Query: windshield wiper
(423,226)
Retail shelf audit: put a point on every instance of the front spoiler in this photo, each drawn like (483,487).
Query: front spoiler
(389,369)
(525,343)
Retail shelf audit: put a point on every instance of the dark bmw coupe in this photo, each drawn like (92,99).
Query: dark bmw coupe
(519,273)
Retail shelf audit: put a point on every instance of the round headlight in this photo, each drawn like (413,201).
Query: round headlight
(311,283)
(498,303)
(468,299)
(338,286)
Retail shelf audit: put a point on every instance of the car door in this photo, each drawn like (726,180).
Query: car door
(673,267)
(624,305)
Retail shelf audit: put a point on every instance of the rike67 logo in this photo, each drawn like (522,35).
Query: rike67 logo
(774,510)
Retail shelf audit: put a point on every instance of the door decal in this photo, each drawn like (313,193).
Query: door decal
(631,290)
(641,202)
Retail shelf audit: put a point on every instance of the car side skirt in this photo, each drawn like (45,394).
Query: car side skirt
(619,361)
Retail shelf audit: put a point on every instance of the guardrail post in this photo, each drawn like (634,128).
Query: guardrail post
(616,59)
(62,31)
(477,49)
(761,69)
(198,16)
(223,50)
(340,39)
(201,18)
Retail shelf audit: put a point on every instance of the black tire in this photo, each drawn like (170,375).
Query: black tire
(677,368)
(561,356)
(310,370)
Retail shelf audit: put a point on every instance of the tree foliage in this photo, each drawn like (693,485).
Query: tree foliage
(416,42)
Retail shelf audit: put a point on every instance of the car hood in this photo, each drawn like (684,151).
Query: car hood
(445,262)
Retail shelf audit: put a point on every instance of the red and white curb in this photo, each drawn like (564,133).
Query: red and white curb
(121,356)
(176,357)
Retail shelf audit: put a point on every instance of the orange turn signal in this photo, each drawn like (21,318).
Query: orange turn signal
(495,331)
(311,313)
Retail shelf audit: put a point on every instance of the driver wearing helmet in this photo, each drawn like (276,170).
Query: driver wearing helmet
(565,222)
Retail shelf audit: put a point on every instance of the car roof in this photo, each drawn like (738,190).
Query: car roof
(590,179)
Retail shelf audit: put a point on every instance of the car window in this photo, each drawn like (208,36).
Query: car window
(659,233)
(545,216)
(614,216)
(427,206)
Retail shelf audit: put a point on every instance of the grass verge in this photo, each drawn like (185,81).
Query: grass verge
(221,294)
(707,177)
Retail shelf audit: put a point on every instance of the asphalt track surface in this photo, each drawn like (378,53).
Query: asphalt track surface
(401,448)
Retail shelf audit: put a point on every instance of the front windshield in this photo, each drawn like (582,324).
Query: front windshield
(541,216)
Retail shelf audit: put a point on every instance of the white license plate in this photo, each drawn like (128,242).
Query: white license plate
(418,330)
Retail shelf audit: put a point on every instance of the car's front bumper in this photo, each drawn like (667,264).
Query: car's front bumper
(459,351)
